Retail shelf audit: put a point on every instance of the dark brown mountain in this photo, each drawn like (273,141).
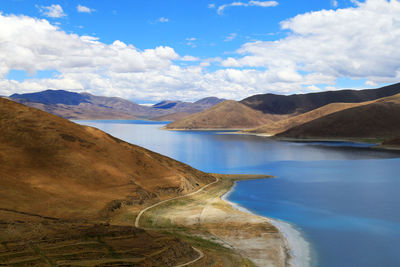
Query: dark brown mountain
(301,103)
(226,115)
(55,168)
(380,119)
(282,125)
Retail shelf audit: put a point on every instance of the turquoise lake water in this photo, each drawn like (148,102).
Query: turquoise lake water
(343,197)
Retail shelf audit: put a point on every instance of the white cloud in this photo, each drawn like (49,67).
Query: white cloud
(53,11)
(371,83)
(211,5)
(335,3)
(189,58)
(221,8)
(84,9)
(359,43)
(230,37)
(163,20)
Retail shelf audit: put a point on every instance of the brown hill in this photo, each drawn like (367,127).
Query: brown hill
(301,103)
(379,119)
(226,115)
(280,126)
(52,167)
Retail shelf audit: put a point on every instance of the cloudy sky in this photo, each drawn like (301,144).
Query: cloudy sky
(152,50)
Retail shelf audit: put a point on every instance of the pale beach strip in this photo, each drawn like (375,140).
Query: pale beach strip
(299,249)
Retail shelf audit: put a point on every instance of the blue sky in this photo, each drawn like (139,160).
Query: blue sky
(233,48)
(138,22)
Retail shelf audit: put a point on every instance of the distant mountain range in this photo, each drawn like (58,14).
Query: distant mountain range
(87,106)
(368,113)
(346,114)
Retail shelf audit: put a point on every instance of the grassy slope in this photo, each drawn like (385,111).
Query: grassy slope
(50,243)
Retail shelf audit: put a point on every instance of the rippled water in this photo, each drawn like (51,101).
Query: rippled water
(343,197)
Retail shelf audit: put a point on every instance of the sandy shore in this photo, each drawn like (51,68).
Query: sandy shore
(206,213)
(298,248)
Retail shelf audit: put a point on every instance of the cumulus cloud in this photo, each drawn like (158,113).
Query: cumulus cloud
(53,11)
(360,43)
(118,69)
(221,8)
(189,58)
(84,9)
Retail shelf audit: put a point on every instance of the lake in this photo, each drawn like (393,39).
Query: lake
(343,197)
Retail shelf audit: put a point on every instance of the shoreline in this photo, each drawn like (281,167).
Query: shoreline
(286,139)
(206,215)
(201,129)
(297,248)
(373,145)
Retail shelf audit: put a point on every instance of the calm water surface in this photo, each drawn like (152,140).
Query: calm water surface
(343,197)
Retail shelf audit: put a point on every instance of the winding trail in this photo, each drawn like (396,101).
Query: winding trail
(164,201)
(201,255)
(137,220)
